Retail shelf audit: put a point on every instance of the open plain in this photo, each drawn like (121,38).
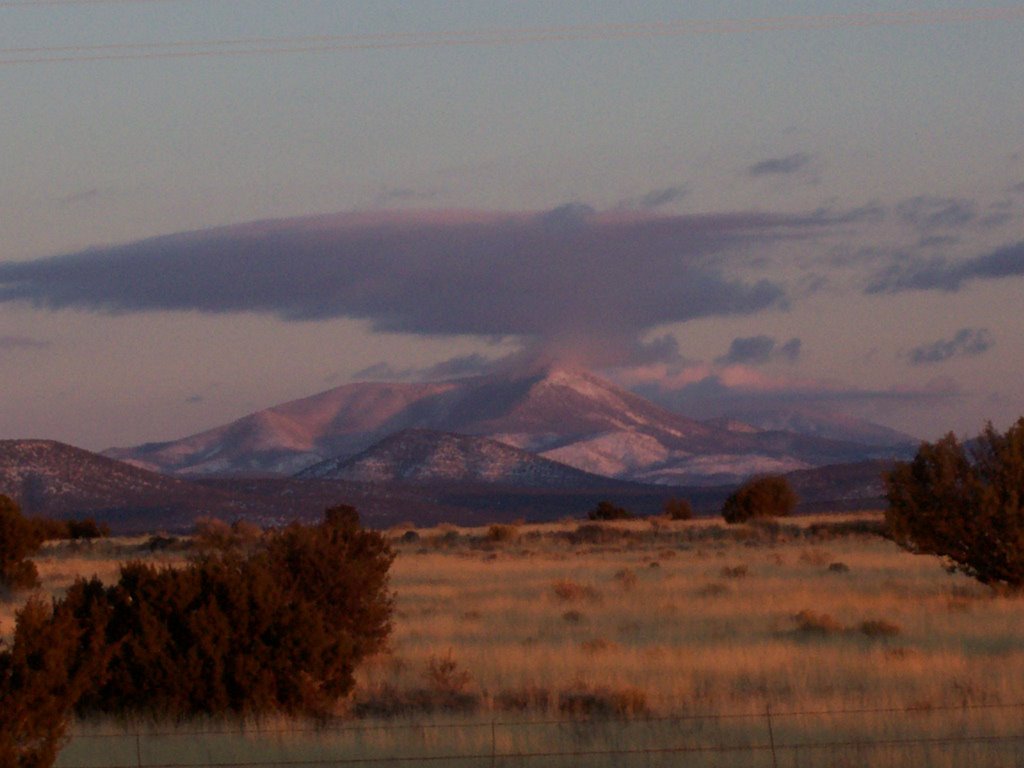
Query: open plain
(815,641)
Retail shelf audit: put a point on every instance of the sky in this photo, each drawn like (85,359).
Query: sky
(208,207)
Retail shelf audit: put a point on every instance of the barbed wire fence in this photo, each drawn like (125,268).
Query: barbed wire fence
(972,734)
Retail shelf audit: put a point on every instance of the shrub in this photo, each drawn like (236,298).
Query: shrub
(19,539)
(965,504)
(678,509)
(280,629)
(443,675)
(812,623)
(49,665)
(768,496)
(879,628)
(87,529)
(734,572)
(627,578)
(502,533)
(571,591)
(605,510)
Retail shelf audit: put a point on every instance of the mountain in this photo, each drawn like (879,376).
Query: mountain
(568,416)
(832,426)
(51,479)
(427,456)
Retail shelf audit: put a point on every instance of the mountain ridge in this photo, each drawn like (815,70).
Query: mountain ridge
(566,415)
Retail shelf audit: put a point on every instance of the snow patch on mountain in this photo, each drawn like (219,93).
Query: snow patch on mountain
(613,454)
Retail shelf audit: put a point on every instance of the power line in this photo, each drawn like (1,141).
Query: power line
(47,3)
(261,46)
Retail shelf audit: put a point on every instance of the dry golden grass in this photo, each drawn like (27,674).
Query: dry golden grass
(701,625)
(642,619)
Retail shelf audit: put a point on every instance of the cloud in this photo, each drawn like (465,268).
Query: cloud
(775,166)
(909,273)
(563,276)
(704,391)
(656,198)
(968,342)
(453,368)
(925,212)
(21,342)
(758,350)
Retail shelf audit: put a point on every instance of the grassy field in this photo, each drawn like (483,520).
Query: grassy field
(647,635)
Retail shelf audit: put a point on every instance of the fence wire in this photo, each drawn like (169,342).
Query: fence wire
(137,741)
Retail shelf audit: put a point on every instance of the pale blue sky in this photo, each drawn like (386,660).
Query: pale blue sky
(895,149)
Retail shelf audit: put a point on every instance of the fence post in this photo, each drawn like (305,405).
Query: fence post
(494,745)
(138,749)
(771,733)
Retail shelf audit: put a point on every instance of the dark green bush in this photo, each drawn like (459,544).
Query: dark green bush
(678,509)
(280,629)
(605,510)
(87,529)
(965,504)
(767,496)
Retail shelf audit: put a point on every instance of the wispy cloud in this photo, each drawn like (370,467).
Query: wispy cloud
(967,342)
(926,212)
(703,390)
(774,166)
(656,198)
(943,274)
(21,342)
(453,368)
(758,350)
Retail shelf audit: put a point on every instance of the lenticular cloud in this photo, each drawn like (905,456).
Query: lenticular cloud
(555,274)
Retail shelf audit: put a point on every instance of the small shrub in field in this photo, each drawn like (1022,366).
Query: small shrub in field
(410,537)
(87,529)
(812,623)
(605,510)
(443,674)
(572,617)
(714,589)
(592,533)
(838,567)
(678,509)
(571,591)
(597,645)
(502,533)
(523,699)
(735,572)
(879,628)
(583,701)
(627,579)
(769,496)
(818,557)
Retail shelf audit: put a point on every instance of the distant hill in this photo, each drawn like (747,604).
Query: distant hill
(568,416)
(831,426)
(428,456)
(52,479)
